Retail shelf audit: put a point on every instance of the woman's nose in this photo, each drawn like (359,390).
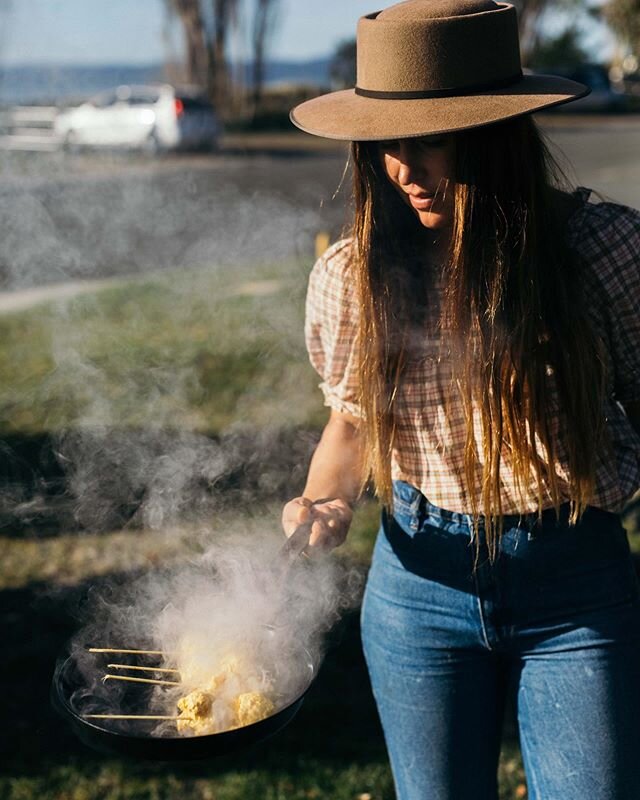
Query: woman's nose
(408,166)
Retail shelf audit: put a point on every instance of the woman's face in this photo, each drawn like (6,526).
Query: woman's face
(421,170)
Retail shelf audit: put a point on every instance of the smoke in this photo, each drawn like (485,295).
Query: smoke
(156,479)
(140,450)
(142,375)
(155,428)
(236,619)
(96,225)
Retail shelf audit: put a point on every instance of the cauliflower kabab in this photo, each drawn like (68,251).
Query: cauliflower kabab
(252,707)
(196,707)
(217,705)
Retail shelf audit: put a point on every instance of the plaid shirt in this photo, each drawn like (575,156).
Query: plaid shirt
(431,431)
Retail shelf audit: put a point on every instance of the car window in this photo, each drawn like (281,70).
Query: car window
(190,103)
(143,98)
(104,99)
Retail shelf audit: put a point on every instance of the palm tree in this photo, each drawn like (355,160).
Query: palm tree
(263,23)
(206,28)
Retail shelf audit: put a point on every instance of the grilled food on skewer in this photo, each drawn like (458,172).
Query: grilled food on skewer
(197,714)
(252,707)
(233,709)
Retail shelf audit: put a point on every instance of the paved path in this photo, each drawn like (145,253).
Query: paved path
(27,298)
(21,300)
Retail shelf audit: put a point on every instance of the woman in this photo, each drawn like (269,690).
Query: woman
(478,338)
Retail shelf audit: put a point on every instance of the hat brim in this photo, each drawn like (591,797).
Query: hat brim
(348,116)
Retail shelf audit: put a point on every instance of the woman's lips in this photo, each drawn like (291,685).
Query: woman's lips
(421,202)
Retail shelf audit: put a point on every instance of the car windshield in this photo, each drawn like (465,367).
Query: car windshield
(104,99)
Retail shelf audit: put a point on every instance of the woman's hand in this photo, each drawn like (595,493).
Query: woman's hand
(334,480)
(330,520)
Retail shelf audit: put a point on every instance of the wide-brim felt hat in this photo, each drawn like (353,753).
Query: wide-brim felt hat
(434,66)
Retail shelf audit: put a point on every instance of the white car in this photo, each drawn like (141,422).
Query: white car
(152,118)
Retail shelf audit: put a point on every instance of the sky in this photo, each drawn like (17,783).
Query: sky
(136,31)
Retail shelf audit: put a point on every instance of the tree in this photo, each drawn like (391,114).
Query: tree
(563,50)
(225,16)
(623,17)
(342,69)
(198,58)
(530,13)
(263,23)
(207,25)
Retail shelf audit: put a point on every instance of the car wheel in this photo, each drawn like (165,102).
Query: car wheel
(208,146)
(70,142)
(151,146)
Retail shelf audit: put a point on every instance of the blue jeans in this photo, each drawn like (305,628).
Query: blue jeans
(555,620)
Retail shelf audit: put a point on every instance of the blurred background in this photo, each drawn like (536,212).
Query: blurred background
(159,219)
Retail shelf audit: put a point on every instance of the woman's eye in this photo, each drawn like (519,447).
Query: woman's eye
(435,141)
(389,144)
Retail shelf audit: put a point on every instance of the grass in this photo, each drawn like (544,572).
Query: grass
(116,782)
(198,351)
(192,349)
(308,779)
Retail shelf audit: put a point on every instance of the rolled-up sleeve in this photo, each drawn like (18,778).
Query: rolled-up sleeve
(331,328)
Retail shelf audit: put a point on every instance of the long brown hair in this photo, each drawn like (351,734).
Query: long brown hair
(516,328)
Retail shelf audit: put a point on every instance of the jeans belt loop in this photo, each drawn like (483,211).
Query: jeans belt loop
(417,510)
(532,526)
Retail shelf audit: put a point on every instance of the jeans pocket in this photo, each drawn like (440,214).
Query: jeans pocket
(407,503)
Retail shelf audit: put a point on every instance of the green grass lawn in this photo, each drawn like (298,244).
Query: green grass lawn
(198,351)
(206,351)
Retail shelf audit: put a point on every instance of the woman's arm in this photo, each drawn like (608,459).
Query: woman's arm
(333,484)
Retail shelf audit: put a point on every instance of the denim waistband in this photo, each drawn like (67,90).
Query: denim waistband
(410,501)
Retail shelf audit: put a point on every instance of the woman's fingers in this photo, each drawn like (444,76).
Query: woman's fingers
(321,536)
(295,513)
(330,521)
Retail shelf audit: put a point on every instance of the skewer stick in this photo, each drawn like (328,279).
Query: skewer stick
(126,652)
(134,716)
(143,669)
(140,680)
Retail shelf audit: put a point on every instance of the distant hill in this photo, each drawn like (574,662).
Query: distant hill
(307,72)
(51,83)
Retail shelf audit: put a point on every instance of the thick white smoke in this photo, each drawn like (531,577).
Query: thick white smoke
(138,451)
(239,603)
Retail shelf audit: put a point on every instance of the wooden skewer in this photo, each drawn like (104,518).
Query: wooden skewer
(140,680)
(126,652)
(143,669)
(134,716)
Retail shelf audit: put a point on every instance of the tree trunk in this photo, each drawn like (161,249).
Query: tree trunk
(195,39)
(262,24)
(218,69)
(623,17)
(529,12)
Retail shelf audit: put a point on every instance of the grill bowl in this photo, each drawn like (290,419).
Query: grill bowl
(113,739)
